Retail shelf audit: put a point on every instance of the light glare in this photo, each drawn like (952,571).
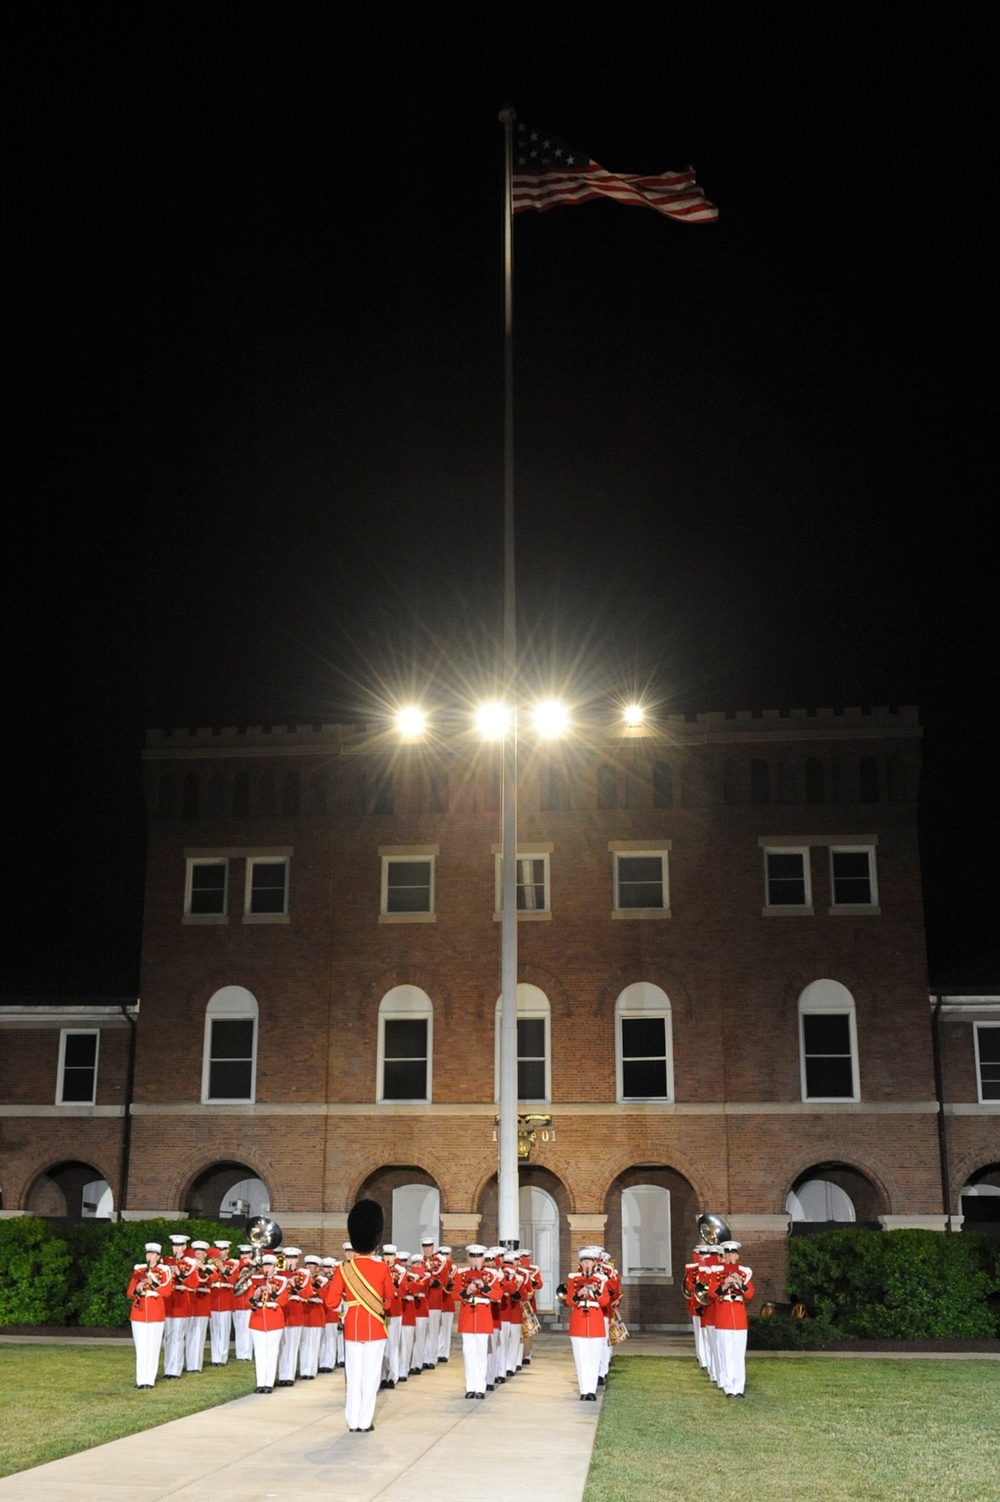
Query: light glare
(411,722)
(492,720)
(551,719)
(634,714)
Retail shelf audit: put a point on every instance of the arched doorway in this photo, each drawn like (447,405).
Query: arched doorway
(411,1203)
(221,1191)
(979,1201)
(71,1191)
(829,1195)
(651,1215)
(539,1230)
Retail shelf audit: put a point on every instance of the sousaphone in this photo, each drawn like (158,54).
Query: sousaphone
(712,1229)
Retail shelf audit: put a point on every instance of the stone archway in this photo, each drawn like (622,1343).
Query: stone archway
(71,1191)
(223,1190)
(650,1209)
(827,1195)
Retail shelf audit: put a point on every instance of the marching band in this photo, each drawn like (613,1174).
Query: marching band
(386,1316)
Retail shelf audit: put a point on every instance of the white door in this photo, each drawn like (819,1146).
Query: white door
(416,1213)
(539,1230)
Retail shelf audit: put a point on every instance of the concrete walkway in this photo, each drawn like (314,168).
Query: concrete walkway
(530,1439)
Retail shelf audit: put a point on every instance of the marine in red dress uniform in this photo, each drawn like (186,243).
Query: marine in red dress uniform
(477,1292)
(268,1299)
(587,1299)
(365,1285)
(148,1289)
(732,1289)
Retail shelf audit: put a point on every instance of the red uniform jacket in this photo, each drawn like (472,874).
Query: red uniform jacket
(148,1289)
(365,1284)
(731,1291)
(588,1301)
(479,1293)
(268,1297)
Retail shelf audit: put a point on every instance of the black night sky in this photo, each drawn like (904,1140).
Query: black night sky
(255,385)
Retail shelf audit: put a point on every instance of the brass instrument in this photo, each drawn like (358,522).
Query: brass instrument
(702,1293)
(263,1235)
(712,1229)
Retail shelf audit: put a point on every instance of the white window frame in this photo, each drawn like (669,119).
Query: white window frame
(205,860)
(643,999)
(641,1272)
(405,1004)
(253,861)
(978,1029)
(855,907)
(638,850)
(532,1003)
(829,998)
(525,853)
(77,1032)
(804,908)
(230,1004)
(397,855)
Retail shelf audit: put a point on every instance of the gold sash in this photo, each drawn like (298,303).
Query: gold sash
(362,1292)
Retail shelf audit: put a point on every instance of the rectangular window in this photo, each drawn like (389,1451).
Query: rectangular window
(641,881)
(828,1056)
(988,1060)
(531,1058)
(852,877)
(267,888)
(230,1064)
(407,885)
(786,878)
(404,1058)
(646,1232)
(644,1058)
(206,894)
(532,894)
(77,1084)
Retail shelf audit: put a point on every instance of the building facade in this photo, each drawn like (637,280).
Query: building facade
(722,1000)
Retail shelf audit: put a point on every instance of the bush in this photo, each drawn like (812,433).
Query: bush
(36,1279)
(899,1285)
(56,1273)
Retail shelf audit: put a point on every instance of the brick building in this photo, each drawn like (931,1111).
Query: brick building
(722,1004)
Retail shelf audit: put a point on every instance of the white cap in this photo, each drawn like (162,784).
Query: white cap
(347,1247)
(293,1251)
(313,1258)
(153,1246)
(329,1261)
(389,1249)
(445,1251)
(223,1245)
(199,1246)
(245,1246)
(476,1250)
(731,1246)
(179,1240)
(270,1258)
(590,1252)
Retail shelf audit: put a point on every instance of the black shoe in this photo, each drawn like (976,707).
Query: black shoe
(583,1397)
(442,1361)
(400,1379)
(489,1388)
(326,1368)
(480,1395)
(382,1386)
(389,1384)
(267,1389)
(501,1381)
(600,1381)
(470,1395)
(368,1430)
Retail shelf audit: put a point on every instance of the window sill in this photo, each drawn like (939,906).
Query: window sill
(640,912)
(798,911)
(831,1100)
(407,917)
(197,919)
(265,917)
(648,1279)
(530,917)
(855,909)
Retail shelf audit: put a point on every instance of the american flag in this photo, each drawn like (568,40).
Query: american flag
(547,172)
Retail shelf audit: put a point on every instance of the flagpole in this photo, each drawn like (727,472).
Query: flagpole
(508,1213)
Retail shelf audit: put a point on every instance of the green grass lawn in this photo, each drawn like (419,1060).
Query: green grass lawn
(822,1430)
(58,1399)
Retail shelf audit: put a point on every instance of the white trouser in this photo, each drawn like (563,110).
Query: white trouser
(433,1337)
(289,1353)
(406,1337)
(444,1340)
(241,1331)
(328,1347)
(606,1351)
(392,1347)
(363,1370)
(474,1354)
(420,1343)
(265,1354)
(732,1352)
(587,1355)
(220,1326)
(711,1352)
(309,1351)
(194,1345)
(174,1341)
(148,1337)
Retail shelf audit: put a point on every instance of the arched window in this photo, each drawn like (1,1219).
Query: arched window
(607,787)
(215,795)
(819,1200)
(646,1231)
(290,794)
(189,797)
(534,1073)
(644,1043)
(663,785)
(553,795)
(405,1038)
(828,1042)
(416,1214)
(815,781)
(241,795)
(229,1069)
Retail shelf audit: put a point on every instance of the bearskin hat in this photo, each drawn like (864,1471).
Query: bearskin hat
(365,1224)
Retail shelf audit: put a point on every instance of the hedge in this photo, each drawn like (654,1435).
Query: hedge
(899,1285)
(58,1273)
